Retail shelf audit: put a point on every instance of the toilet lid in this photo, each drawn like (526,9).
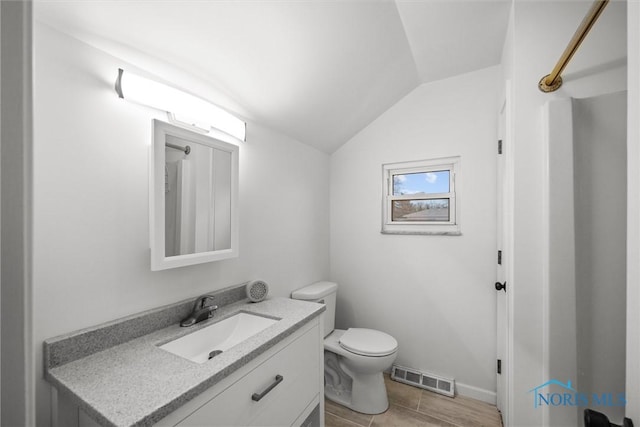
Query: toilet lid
(368,342)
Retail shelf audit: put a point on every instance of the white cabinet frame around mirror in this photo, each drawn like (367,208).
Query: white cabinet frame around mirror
(222,217)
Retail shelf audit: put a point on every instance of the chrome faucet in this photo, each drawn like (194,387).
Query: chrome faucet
(201,311)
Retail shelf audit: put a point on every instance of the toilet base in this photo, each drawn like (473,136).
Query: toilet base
(368,395)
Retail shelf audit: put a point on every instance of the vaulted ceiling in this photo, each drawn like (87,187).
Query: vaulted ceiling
(316,70)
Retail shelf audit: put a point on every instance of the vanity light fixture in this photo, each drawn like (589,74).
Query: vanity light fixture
(181,106)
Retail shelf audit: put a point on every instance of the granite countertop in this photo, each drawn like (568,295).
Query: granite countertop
(137,383)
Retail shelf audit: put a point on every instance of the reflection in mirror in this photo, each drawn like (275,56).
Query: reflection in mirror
(195,193)
(197,200)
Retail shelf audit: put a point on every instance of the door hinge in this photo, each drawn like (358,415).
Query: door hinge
(499,257)
(499,367)
(499,146)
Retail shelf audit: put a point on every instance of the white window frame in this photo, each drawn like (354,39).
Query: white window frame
(451,227)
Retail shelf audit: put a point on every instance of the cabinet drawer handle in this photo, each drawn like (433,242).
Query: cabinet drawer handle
(257,396)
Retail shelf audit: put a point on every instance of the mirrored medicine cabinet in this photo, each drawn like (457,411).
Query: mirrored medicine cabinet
(193,188)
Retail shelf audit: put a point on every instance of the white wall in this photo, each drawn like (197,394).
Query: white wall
(541,33)
(633,214)
(17,360)
(91,239)
(587,256)
(600,212)
(434,294)
(563,353)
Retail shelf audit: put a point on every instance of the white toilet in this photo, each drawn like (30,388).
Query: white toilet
(353,359)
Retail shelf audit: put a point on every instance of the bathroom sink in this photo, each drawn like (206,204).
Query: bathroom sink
(208,342)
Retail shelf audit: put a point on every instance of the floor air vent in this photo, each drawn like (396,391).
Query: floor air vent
(424,380)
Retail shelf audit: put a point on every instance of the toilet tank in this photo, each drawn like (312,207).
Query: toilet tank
(324,293)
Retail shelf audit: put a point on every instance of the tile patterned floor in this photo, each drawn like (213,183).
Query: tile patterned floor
(413,407)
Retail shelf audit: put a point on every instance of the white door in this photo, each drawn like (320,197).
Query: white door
(503,258)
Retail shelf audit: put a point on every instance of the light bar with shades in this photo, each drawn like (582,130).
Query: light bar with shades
(184,107)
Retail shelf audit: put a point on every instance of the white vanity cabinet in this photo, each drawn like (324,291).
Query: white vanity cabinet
(119,374)
(289,377)
(298,359)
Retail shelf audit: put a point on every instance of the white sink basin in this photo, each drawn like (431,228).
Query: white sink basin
(219,337)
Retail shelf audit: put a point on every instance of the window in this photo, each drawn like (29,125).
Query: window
(420,197)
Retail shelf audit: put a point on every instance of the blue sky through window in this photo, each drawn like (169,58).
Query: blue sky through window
(422,182)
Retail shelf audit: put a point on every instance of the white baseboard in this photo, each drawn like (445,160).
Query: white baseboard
(476,393)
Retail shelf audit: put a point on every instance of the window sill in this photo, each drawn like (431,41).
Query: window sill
(423,233)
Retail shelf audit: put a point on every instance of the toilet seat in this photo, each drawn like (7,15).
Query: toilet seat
(368,342)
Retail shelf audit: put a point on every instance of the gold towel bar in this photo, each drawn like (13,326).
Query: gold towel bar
(553,81)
